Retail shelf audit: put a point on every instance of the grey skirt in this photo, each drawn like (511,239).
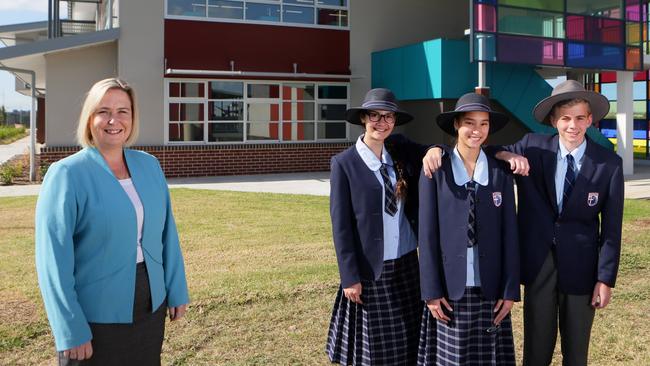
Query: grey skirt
(138,343)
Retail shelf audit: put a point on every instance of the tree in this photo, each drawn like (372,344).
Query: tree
(3,115)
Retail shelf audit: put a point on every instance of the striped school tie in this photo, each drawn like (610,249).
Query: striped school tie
(471,222)
(569,178)
(390,200)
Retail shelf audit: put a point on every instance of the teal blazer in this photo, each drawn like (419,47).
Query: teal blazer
(86,235)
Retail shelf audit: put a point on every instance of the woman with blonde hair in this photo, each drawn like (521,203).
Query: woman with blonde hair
(108,258)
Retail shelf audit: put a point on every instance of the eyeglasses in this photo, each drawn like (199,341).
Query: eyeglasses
(376,117)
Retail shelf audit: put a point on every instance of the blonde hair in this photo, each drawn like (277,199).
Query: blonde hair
(93,98)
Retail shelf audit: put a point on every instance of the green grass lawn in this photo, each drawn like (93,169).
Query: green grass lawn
(9,134)
(262,275)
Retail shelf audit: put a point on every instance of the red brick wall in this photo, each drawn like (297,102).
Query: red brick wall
(197,161)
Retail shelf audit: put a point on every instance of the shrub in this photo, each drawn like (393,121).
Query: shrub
(10,171)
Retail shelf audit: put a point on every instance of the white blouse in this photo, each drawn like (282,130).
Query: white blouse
(129,188)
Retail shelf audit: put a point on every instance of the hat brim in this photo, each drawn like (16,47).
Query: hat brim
(353,115)
(598,103)
(446,121)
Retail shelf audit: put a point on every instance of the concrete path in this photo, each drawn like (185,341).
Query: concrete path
(15,148)
(636,186)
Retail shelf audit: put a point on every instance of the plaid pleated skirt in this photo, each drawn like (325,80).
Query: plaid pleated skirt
(384,329)
(466,340)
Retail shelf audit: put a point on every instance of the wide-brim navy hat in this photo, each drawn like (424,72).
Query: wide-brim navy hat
(471,102)
(567,90)
(378,99)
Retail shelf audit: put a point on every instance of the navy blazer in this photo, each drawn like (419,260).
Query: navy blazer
(587,249)
(444,210)
(356,208)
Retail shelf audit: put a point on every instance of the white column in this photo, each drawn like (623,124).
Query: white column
(625,120)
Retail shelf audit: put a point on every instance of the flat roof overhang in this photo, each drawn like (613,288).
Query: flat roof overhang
(31,56)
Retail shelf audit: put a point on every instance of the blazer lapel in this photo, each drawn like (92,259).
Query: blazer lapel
(549,162)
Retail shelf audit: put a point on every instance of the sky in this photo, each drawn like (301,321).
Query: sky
(15,12)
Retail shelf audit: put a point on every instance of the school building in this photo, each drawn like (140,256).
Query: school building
(261,86)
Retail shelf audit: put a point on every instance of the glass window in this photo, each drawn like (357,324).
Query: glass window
(632,10)
(333,17)
(608,90)
(633,58)
(554,5)
(332,2)
(594,29)
(225,132)
(262,131)
(298,111)
(331,130)
(333,92)
(226,111)
(633,34)
(332,112)
(484,47)
(595,56)
(226,90)
(298,92)
(186,111)
(531,22)
(263,91)
(298,131)
(186,90)
(299,2)
(638,91)
(262,112)
(601,8)
(187,132)
(485,18)
(298,14)
(530,51)
(264,12)
(194,8)
(225,9)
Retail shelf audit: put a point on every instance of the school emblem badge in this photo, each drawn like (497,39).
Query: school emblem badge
(496,198)
(592,199)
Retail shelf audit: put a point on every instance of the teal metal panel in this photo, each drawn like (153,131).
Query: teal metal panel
(459,76)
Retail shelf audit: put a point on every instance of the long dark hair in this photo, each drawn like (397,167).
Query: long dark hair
(401,188)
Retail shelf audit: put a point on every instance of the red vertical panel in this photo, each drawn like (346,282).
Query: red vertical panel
(275,116)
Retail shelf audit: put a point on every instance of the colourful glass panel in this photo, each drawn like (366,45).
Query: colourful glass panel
(594,29)
(633,34)
(484,47)
(531,22)
(633,59)
(640,75)
(608,77)
(493,2)
(632,10)
(600,8)
(553,5)
(530,51)
(595,56)
(485,18)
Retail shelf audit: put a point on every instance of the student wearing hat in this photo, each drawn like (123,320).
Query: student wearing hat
(373,207)
(570,219)
(469,251)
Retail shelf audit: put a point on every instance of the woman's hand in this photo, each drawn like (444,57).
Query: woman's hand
(435,307)
(177,312)
(353,293)
(502,308)
(83,352)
